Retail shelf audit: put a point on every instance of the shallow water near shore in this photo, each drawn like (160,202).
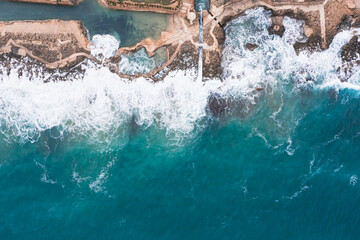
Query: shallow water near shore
(129,27)
(105,158)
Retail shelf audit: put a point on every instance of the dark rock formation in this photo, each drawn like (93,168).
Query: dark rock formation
(217,105)
(277,26)
(313,44)
(36,69)
(188,57)
(212,64)
(351,50)
(350,58)
(251,46)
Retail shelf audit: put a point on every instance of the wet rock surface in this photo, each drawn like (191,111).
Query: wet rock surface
(212,64)
(188,57)
(351,50)
(220,106)
(312,44)
(65,44)
(277,26)
(35,70)
(350,59)
(251,46)
(49,47)
(217,105)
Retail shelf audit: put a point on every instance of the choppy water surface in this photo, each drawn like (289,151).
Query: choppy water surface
(104,158)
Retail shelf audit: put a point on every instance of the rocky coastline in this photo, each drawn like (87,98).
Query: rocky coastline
(58,44)
(171,8)
(52,2)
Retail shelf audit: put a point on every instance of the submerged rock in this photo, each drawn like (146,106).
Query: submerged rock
(224,106)
(217,105)
(134,126)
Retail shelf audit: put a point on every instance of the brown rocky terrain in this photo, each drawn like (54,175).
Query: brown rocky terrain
(60,43)
(142,6)
(52,2)
(322,21)
(350,57)
(55,43)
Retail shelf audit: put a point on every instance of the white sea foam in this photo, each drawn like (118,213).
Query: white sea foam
(298,193)
(78,179)
(105,45)
(353,180)
(138,62)
(97,184)
(275,60)
(289,149)
(102,104)
(255,132)
(293,31)
(242,68)
(45,176)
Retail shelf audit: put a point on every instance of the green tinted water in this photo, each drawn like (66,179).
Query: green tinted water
(129,27)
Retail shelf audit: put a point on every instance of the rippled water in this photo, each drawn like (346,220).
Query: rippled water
(105,158)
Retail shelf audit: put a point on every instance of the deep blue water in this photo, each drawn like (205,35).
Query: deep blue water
(148,161)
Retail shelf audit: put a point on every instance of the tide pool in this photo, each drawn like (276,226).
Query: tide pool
(129,27)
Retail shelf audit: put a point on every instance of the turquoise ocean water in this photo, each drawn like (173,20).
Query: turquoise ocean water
(103,158)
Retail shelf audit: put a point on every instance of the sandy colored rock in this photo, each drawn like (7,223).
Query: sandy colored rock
(308,31)
(55,43)
(22,52)
(52,2)
(351,5)
(357,3)
(191,16)
(142,6)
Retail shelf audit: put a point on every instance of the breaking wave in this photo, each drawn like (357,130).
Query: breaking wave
(105,45)
(101,104)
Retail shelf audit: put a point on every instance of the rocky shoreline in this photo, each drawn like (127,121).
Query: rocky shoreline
(53,2)
(128,5)
(55,43)
(58,44)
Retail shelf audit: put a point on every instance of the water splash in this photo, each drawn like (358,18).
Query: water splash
(101,105)
(140,62)
(105,45)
